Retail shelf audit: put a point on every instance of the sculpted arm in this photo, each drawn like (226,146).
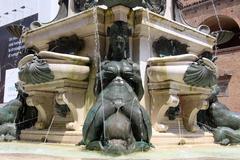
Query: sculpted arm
(134,80)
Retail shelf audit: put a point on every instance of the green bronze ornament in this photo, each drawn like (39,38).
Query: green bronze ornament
(223,123)
(13,116)
(36,71)
(200,74)
(157,6)
(117,123)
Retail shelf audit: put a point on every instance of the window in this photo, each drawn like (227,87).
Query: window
(223,82)
(227,24)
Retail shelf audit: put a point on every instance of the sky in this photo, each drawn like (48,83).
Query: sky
(47,10)
(13,10)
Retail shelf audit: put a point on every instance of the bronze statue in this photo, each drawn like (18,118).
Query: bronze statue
(224,123)
(36,71)
(158,6)
(9,111)
(226,136)
(117,123)
(16,115)
(201,74)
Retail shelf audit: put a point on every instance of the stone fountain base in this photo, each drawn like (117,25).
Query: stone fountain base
(39,151)
(172,137)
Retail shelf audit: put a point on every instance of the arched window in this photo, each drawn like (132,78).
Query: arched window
(227,23)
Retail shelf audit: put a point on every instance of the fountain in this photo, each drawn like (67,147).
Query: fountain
(117,123)
(117,76)
(64,57)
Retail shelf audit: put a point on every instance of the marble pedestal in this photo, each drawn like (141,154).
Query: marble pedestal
(171,94)
(44,97)
(91,26)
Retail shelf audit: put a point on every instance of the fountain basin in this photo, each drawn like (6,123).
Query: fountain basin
(169,71)
(53,66)
(173,68)
(52,77)
(169,68)
(69,71)
(168,82)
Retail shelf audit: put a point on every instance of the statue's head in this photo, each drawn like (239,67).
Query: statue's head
(119,41)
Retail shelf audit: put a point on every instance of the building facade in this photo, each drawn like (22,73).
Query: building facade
(22,13)
(221,15)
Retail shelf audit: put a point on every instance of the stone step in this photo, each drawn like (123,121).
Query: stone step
(60,122)
(171,138)
(158,139)
(56,136)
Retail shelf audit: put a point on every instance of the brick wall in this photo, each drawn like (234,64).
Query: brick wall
(228,62)
(189,2)
(196,14)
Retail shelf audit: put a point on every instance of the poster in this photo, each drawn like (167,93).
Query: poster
(10,54)
(11,77)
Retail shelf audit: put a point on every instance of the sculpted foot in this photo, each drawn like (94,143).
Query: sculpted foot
(160,127)
(225,142)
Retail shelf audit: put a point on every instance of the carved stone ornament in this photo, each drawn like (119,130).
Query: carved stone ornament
(36,71)
(220,120)
(80,5)
(157,6)
(71,45)
(63,10)
(169,47)
(200,74)
(62,13)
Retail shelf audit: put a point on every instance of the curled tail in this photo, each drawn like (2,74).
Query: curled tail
(207,127)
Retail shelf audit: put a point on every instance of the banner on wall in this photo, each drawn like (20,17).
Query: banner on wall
(10,55)
(11,77)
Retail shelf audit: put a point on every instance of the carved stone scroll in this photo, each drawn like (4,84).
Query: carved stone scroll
(161,101)
(44,103)
(191,104)
(74,99)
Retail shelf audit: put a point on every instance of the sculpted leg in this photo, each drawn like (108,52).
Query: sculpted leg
(93,125)
(133,112)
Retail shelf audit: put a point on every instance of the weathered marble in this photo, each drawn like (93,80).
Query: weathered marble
(49,66)
(167,89)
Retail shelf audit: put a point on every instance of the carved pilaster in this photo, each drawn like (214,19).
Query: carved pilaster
(191,104)
(167,94)
(161,101)
(44,103)
(74,99)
